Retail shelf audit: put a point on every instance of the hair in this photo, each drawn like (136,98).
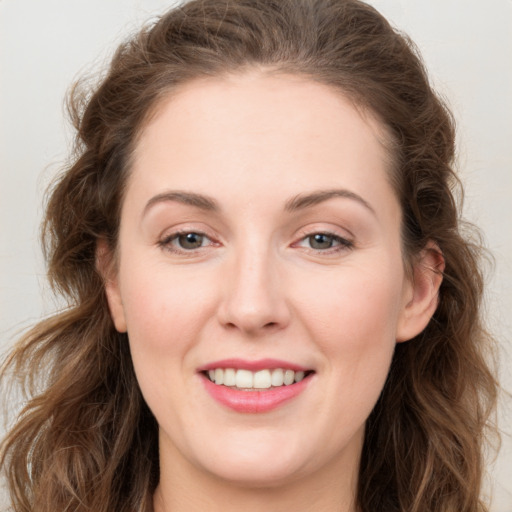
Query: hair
(86,440)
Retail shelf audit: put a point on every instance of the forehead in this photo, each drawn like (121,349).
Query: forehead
(260,99)
(260,131)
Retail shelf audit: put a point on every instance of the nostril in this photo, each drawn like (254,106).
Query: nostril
(271,327)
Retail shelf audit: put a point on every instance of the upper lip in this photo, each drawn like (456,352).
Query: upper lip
(254,366)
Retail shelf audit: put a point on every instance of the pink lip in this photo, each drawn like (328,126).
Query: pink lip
(253,366)
(254,401)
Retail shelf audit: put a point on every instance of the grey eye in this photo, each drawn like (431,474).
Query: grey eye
(321,241)
(190,241)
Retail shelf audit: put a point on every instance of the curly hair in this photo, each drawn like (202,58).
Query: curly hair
(85,439)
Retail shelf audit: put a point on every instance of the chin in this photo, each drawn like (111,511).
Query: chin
(257,475)
(255,459)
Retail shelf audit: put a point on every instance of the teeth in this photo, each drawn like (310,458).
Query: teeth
(219,376)
(289,377)
(263,379)
(244,378)
(299,376)
(229,377)
(277,377)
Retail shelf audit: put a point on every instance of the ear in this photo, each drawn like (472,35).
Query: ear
(105,264)
(421,294)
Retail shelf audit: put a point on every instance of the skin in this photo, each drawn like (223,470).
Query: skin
(258,287)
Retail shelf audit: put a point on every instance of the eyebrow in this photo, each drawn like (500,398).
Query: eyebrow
(189,198)
(307,200)
(298,202)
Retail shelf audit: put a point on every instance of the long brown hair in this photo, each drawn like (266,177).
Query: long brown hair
(85,440)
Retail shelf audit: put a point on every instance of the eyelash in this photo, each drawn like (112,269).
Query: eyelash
(167,242)
(341,243)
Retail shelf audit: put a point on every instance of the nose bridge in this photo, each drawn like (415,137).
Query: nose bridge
(254,298)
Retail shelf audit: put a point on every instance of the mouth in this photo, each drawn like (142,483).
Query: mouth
(248,380)
(254,386)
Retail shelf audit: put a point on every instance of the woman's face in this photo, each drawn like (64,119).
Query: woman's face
(260,245)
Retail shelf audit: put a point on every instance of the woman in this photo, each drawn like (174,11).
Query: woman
(271,302)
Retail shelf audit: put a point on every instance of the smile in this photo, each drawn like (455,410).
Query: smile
(254,386)
(249,380)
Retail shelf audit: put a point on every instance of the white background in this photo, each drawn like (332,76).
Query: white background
(46,44)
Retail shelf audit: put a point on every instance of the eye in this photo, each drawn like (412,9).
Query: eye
(190,241)
(325,242)
(321,241)
(186,241)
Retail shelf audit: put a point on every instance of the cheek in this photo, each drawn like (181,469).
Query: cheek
(356,301)
(353,318)
(164,313)
(162,307)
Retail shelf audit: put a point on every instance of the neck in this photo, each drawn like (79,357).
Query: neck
(330,489)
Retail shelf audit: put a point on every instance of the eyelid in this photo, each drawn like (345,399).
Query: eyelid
(325,228)
(176,234)
(165,241)
(342,243)
(346,243)
(184,227)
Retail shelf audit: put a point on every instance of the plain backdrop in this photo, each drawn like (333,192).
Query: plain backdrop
(46,44)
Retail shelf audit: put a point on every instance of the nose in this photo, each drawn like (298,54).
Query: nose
(254,299)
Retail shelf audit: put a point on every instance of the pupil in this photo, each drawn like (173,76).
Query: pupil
(321,241)
(190,241)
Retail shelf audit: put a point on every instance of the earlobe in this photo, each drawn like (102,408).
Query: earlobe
(106,268)
(423,294)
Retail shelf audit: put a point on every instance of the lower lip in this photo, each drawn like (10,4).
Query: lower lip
(254,401)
